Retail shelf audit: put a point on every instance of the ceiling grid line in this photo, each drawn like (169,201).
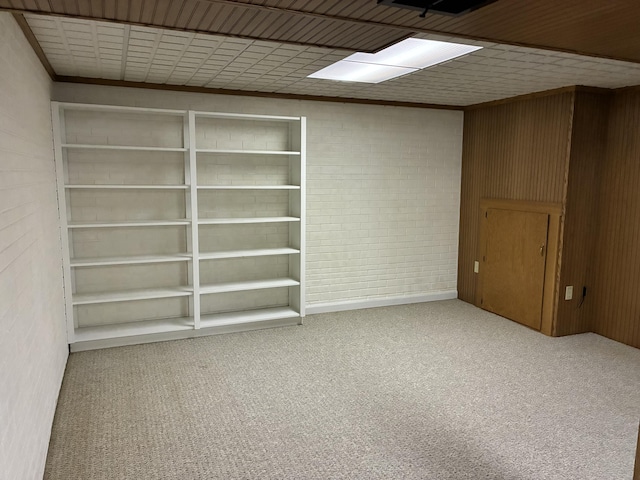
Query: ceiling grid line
(152,54)
(200,65)
(96,46)
(125,51)
(180,56)
(65,44)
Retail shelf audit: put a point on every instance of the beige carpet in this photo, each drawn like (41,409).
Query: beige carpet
(427,391)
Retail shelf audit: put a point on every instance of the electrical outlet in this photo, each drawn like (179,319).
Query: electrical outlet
(568,292)
(476,267)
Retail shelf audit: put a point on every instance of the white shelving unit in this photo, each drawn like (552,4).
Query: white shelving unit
(178,223)
(128,187)
(121,147)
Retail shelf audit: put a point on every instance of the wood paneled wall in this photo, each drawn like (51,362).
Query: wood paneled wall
(616,281)
(588,148)
(516,151)
(580,148)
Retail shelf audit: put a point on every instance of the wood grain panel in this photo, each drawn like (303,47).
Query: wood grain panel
(108,8)
(580,149)
(514,151)
(554,212)
(513,264)
(134,10)
(616,282)
(173,12)
(588,146)
(607,29)
(596,28)
(599,28)
(306,29)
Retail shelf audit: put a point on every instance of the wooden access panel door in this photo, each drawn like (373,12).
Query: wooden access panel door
(513,264)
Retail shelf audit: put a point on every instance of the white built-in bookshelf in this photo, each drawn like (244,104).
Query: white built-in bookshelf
(178,223)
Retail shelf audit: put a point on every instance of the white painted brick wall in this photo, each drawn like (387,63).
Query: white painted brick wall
(33,348)
(254,299)
(123,129)
(241,134)
(383,187)
(125,168)
(124,312)
(243,237)
(238,170)
(87,166)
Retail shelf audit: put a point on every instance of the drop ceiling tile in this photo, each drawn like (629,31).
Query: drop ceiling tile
(79,47)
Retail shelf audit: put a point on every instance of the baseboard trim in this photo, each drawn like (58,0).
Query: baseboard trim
(380,302)
(310,310)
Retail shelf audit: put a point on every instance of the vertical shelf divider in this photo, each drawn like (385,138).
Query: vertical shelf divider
(297,167)
(191,178)
(302,147)
(57,112)
(93,187)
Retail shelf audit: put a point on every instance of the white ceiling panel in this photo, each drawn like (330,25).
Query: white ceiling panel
(86,48)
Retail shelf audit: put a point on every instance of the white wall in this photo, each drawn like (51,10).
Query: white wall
(383,190)
(33,349)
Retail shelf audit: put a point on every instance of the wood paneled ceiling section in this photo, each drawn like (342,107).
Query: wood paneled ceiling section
(607,29)
(230,18)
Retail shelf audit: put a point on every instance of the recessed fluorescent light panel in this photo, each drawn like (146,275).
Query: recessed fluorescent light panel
(404,57)
(348,71)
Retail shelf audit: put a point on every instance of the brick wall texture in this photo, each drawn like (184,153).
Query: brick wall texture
(33,348)
(383,186)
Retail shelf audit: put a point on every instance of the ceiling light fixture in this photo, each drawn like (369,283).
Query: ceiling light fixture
(404,57)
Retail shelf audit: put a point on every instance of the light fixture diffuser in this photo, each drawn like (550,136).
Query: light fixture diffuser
(347,71)
(415,53)
(404,57)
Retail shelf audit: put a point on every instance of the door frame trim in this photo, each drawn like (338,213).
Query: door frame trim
(551,270)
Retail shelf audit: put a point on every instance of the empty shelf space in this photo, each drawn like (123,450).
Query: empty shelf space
(130,260)
(127,187)
(249,187)
(246,152)
(123,147)
(128,223)
(251,285)
(102,332)
(234,318)
(248,253)
(172,213)
(144,294)
(226,221)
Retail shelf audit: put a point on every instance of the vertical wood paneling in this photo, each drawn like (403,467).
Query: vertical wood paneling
(588,146)
(582,150)
(514,151)
(616,282)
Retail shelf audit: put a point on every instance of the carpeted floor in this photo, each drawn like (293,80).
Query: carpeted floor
(427,391)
